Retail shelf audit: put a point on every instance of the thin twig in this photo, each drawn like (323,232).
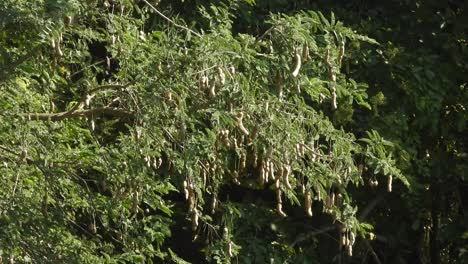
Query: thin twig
(170,20)
(91,93)
(89,66)
(376,258)
(77,111)
(204,70)
(16,185)
(8,150)
(370,206)
(80,113)
(264,34)
(311,234)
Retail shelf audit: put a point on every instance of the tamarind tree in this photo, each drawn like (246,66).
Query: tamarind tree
(130,134)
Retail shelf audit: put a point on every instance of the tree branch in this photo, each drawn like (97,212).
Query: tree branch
(91,93)
(77,111)
(370,206)
(374,255)
(311,234)
(117,112)
(170,20)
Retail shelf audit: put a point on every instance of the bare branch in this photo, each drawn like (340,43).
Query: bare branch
(117,112)
(170,20)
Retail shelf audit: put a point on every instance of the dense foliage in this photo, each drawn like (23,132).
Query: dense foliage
(232,131)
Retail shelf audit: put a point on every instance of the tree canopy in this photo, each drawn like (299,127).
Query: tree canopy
(233,131)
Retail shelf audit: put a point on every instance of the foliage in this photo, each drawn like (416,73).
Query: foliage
(128,131)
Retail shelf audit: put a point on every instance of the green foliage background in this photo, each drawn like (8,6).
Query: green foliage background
(140,131)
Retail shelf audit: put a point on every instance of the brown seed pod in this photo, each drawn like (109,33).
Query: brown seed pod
(296,151)
(88,100)
(195,217)
(327,58)
(212,91)
(278,196)
(286,173)
(230,249)
(58,50)
(302,148)
(186,190)
(334,97)
(68,20)
(308,203)
(266,168)
(373,183)
(203,82)
(242,161)
(214,204)
(279,210)
(142,35)
(297,66)
(271,171)
(221,75)
(279,203)
(232,70)
(349,250)
(341,52)
(225,137)
(226,233)
(240,124)
(343,240)
(389,183)
(235,178)
(92,228)
(204,176)
(277,184)
(234,143)
(352,238)
(321,98)
(168,95)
